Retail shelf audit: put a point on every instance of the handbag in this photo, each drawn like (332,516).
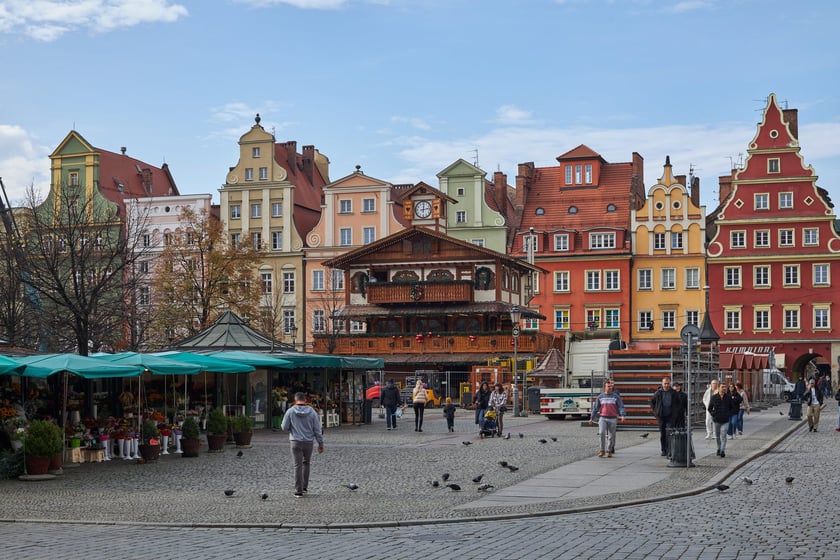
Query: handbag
(399,412)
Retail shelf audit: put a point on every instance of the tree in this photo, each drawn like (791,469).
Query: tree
(325,304)
(18,319)
(198,276)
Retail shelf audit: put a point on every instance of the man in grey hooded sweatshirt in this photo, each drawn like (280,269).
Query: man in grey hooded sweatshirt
(304,427)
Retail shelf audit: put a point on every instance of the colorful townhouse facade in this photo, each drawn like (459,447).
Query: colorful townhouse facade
(271,199)
(669,261)
(774,254)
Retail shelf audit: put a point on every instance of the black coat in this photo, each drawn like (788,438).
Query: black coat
(721,408)
(390,396)
(482,398)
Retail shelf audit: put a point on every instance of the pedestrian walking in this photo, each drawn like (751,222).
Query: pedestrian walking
(418,399)
(707,397)
(721,407)
(744,407)
(304,427)
(608,408)
(799,388)
(498,403)
(736,406)
(480,401)
(813,399)
(680,406)
(449,413)
(391,400)
(662,405)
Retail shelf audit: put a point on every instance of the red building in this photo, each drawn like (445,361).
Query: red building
(773,254)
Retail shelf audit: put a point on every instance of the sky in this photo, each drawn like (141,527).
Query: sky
(404,88)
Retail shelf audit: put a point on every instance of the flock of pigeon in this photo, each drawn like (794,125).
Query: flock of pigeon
(482,487)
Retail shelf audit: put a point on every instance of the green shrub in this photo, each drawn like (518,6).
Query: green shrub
(150,430)
(241,424)
(189,430)
(217,422)
(43,439)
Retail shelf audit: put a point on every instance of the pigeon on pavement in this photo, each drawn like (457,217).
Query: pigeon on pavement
(542,440)
(454,487)
(351,486)
(722,487)
(507,436)
(789,480)
(478,478)
(229,493)
(511,468)
(503,463)
(644,435)
(485,487)
(445,476)
(747,480)
(554,439)
(239,454)
(467,442)
(263,496)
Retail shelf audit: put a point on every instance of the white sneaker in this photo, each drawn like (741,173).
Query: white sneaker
(708,436)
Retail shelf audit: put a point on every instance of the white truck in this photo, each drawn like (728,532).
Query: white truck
(776,385)
(586,368)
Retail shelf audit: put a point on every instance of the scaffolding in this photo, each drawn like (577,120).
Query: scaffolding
(703,363)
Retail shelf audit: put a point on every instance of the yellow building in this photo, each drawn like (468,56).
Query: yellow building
(669,271)
(272,199)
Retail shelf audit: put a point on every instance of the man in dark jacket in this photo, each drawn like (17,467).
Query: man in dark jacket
(799,389)
(680,409)
(390,399)
(813,399)
(663,404)
(721,408)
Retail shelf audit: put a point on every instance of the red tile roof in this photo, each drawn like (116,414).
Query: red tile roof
(581,152)
(305,175)
(122,176)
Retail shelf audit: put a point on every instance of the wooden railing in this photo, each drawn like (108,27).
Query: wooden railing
(485,343)
(433,292)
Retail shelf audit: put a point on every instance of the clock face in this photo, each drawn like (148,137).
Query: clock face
(423,209)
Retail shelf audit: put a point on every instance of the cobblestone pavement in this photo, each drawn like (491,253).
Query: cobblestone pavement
(767,519)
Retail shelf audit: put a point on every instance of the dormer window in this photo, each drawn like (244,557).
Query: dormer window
(573,210)
(588,173)
(773,165)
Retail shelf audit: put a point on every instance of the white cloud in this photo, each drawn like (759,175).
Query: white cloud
(23,162)
(303,4)
(512,115)
(415,122)
(690,5)
(47,20)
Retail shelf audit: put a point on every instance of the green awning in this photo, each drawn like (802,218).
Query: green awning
(10,366)
(157,365)
(252,358)
(207,363)
(306,360)
(44,365)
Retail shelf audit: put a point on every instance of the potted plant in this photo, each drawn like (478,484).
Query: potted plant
(190,440)
(242,430)
(150,443)
(42,442)
(217,425)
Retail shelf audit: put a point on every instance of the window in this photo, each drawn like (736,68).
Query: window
(578,169)
(737,240)
(645,321)
(288,321)
(345,206)
(821,318)
(762,201)
(561,241)
(337,280)
(265,277)
(147,240)
(561,319)
(593,280)
(785,238)
(276,240)
(612,280)
(144,296)
(527,241)
(319,321)
(74,179)
(357,326)
(461,216)
(761,317)
(263,173)
(602,240)
(568,174)
(791,274)
(368,235)
(820,274)
(692,317)
(530,324)
(676,240)
(645,276)
(561,281)
(659,241)
(235,212)
(345,236)
(276,209)
(733,320)
(235,239)
(369,205)
(462,191)
(669,320)
(692,278)
(256,210)
(256,240)
(612,319)
(791,318)
(593,318)
(249,174)
(761,276)
(318,280)
(786,200)
(144,267)
(477,242)
(762,238)
(773,165)
(732,277)
(810,236)
(669,278)
(255,152)
(167,240)
(288,282)
(588,173)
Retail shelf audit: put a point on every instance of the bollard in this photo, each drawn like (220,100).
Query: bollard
(678,447)
(795,412)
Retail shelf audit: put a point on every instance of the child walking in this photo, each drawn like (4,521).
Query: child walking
(449,412)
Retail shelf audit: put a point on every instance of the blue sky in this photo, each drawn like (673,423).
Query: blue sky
(405,87)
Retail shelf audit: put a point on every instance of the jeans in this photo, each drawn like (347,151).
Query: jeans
(479,417)
(720,435)
(606,429)
(419,409)
(391,416)
(733,420)
(301,454)
(740,422)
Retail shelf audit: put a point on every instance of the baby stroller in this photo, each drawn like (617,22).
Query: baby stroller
(488,425)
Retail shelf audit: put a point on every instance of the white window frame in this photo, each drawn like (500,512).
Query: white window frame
(368,205)
(569,174)
(319,321)
(774,165)
(791,277)
(659,240)
(267,283)
(561,319)
(761,272)
(345,206)
(786,238)
(761,318)
(593,281)
(668,320)
(810,237)
(612,280)
(738,239)
(276,209)
(762,201)
(263,173)
(345,237)
(235,211)
(645,320)
(602,240)
(692,278)
(645,279)
(368,235)
(256,210)
(732,277)
(761,238)
(249,173)
(289,282)
(821,274)
(668,278)
(612,318)
(822,317)
(276,240)
(318,280)
(785,200)
(677,238)
(561,281)
(461,217)
(561,242)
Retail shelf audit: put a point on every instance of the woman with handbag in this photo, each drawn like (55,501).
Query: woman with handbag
(419,398)
(498,403)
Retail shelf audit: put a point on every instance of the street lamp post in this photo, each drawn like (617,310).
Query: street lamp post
(515,316)
(293,330)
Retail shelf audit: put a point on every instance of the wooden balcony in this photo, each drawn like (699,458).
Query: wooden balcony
(457,291)
(500,343)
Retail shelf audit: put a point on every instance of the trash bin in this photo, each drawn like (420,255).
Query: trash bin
(795,412)
(534,400)
(678,448)
(466,399)
(367,412)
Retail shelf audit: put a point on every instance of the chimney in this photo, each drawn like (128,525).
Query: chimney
(122,149)
(680,179)
(291,156)
(500,191)
(725,186)
(309,163)
(695,191)
(637,181)
(791,116)
(524,175)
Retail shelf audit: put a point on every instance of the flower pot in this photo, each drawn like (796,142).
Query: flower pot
(216,442)
(55,462)
(149,452)
(75,442)
(191,447)
(37,465)
(243,439)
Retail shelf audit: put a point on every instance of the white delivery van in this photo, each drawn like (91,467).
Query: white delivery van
(776,385)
